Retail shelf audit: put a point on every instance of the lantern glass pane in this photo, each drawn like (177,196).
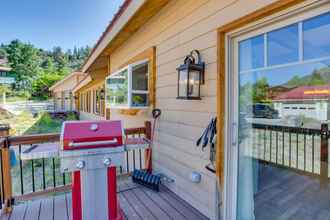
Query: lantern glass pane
(194,80)
(183,83)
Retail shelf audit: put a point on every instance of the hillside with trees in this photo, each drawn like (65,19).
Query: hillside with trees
(316,78)
(35,69)
(258,91)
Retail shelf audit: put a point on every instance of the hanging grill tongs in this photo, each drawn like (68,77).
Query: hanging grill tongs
(208,137)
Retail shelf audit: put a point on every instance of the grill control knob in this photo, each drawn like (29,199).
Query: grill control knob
(81,164)
(107,162)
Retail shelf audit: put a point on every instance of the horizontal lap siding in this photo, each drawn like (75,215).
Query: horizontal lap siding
(181,26)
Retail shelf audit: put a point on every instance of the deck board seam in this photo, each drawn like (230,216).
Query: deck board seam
(184,203)
(156,203)
(66,206)
(39,209)
(169,202)
(53,199)
(26,207)
(130,204)
(146,207)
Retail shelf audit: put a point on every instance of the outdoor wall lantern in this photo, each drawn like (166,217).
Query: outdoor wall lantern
(102,94)
(191,77)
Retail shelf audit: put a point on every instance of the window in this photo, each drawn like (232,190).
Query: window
(97,101)
(128,88)
(283,45)
(315,41)
(252,53)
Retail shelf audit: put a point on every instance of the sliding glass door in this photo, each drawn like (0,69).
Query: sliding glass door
(281,85)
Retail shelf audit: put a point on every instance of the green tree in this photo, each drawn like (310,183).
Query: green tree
(36,70)
(40,86)
(4,89)
(25,61)
(260,91)
(3,53)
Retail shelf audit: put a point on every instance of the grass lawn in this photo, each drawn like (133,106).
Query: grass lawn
(20,123)
(25,123)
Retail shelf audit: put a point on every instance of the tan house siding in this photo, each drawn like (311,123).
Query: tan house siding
(62,92)
(87,99)
(180,27)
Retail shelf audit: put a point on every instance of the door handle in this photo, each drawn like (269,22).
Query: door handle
(234,133)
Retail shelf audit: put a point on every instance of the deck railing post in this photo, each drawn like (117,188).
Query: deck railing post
(6,170)
(324,155)
(148,152)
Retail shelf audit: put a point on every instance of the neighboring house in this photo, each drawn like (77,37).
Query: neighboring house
(5,76)
(5,79)
(62,91)
(134,66)
(275,91)
(310,101)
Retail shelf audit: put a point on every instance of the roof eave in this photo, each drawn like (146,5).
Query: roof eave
(64,79)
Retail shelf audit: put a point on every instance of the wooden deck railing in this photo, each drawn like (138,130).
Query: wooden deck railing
(29,183)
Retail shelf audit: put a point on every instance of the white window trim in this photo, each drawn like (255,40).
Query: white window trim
(129,68)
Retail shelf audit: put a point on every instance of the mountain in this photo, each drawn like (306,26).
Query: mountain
(317,77)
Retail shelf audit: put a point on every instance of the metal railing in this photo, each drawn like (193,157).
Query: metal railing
(304,150)
(37,177)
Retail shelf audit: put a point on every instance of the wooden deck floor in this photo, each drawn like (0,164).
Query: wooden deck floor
(136,201)
(286,195)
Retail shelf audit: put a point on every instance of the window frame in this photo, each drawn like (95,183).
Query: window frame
(279,23)
(130,90)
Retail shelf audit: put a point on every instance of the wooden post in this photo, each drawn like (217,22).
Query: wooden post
(107,113)
(324,156)
(148,152)
(6,171)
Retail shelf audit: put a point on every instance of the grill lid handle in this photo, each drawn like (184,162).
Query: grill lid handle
(93,143)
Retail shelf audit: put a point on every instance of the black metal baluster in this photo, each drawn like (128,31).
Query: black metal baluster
(283,147)
(127,158)
(290,148)
(297,147)
(127,163)
(276,146)
(270,145)
(21,168)
(32,172)
(54,175)
(43,174)
(133,155)
(305,152)
(313,136)
(140,155)
(265,144)
(2,183)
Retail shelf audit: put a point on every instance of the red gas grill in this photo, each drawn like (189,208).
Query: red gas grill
(92,150)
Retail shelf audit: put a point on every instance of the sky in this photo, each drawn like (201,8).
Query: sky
(50,23)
